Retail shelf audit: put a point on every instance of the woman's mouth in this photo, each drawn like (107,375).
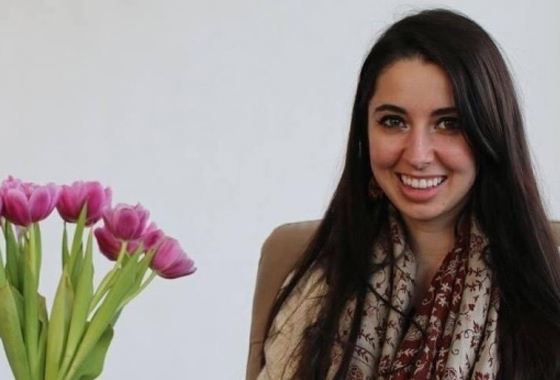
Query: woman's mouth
(421,183)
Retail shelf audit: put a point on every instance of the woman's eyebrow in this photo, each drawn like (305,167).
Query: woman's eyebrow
(397,109)
(390,107)
(444,111)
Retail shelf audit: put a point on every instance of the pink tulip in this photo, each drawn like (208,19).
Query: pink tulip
(126,222)
(170,261)
(73,198)
(26,203)
(109,245)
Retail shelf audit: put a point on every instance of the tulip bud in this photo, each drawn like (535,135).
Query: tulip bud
(126,222)
(170,261)
(73,198)
(25,203)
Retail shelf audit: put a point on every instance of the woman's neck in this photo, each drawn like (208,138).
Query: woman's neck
(431,240)
(430,243)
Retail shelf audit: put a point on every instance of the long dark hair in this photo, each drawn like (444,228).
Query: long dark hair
(504,198)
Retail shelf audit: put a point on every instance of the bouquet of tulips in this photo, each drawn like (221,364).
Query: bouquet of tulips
(72,341)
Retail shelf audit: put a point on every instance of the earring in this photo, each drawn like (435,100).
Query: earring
(374,190)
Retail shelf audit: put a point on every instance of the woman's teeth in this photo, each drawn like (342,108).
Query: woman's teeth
(423,183)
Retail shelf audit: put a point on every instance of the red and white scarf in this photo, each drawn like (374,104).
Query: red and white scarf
(458,315)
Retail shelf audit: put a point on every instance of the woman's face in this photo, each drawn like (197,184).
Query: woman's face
(418,153)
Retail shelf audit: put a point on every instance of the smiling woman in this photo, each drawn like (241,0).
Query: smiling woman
(435,258)
(420,159)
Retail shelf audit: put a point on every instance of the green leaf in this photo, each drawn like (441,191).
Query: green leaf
(92,366)
(36,231)
(12,258)
(77,269)
(18,299)
(82,300)
(77,241)
(65,252)
(109,278)
(3,278)
(104,315)
(43,329)
(139,285)
(12,338)
(31,306)
(58,328)
(143,267)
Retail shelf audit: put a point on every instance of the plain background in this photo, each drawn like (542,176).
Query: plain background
(225,119)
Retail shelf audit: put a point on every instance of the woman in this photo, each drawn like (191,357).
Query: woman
(435,259)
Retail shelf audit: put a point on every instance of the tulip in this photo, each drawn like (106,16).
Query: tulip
(170,261)
(26,203)
(110,240)
(126,222)
(110,245)
(74,197)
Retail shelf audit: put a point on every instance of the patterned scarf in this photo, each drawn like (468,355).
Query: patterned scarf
(458,315)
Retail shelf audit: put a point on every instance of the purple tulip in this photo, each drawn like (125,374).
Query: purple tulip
(73,198)
(170,261)
(126,222)
(25,203)
(109,245)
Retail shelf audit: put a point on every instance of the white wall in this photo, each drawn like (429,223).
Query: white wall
(225,119)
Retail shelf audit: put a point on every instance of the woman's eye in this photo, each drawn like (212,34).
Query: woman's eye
(392,122)
(449,123)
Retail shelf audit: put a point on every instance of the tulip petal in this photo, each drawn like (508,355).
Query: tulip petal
(143,216)
(180,268)
(42,201)
(16,207)
(109,245)
(170,261)
(108,218)
(69,203)
(94,195)
(39,203)
(152,237)
(126,223)
(98,200)
(167,253)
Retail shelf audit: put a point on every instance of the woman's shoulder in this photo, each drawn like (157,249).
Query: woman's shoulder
(298,311)
(302,303)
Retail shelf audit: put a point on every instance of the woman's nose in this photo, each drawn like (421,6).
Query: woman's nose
(418,149)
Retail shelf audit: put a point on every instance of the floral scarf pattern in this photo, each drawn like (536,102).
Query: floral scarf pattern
(458,315)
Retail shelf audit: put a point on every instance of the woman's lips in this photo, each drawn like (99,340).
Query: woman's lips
(420,194)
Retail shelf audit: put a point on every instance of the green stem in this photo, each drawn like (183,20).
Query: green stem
(108,280)
(139,290)
(30,287)
(3,280)
(77,240)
